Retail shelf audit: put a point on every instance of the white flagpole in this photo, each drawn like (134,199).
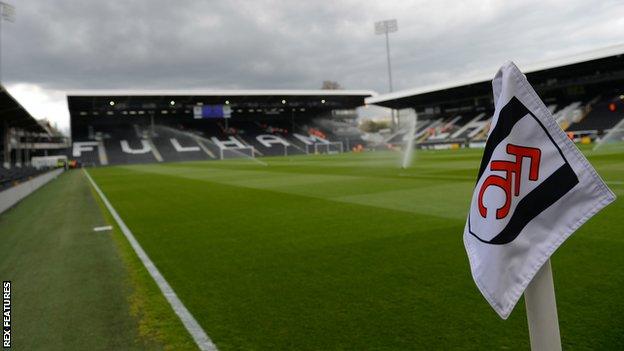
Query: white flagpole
(541,309)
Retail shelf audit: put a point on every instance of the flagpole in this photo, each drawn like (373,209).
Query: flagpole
(541,309)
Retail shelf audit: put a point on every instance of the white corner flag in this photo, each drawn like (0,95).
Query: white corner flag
(534,189)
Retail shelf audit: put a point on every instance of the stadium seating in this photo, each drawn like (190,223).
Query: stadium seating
(176,140)
(125,143)
(10,177)
(598,119)
(471,127)
(126,146)
(177,145)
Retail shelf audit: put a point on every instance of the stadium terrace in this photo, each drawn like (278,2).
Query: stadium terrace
(584,93)
(113,127)
(22,139)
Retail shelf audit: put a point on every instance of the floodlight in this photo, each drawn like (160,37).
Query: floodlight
(7,11)
(387,26)
(384,28)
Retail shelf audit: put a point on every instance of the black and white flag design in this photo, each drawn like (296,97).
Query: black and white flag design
(534,189)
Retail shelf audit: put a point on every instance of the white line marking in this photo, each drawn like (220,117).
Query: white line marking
(102,228)
(199,335)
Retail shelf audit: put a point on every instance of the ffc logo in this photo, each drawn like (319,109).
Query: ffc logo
(513,176)
(549,174)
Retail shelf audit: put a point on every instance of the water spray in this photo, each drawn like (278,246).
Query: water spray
(409,145)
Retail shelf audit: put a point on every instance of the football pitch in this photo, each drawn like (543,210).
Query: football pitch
(351,252)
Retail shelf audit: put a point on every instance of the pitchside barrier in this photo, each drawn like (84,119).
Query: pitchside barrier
(333,147)
(237,152)
(11,196)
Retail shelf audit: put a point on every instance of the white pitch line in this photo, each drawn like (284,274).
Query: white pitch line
(199,335)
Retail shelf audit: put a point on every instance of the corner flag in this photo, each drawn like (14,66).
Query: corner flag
(534,189)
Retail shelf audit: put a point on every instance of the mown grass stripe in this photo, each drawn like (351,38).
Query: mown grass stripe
(199,335)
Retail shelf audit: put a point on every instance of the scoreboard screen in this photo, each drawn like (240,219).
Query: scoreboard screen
(212,111)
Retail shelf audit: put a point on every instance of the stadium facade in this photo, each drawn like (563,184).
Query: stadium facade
(116,127)
(584,92)
(22,137)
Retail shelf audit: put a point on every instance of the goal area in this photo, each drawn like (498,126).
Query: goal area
(332,147)
(237,152)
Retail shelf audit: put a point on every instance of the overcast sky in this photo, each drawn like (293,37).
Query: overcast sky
(59,45)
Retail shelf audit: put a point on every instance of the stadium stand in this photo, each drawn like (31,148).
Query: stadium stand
(579,91)
(180,145)
(600,118)
(21,138)
(125,144)
(117,127)
(142,127)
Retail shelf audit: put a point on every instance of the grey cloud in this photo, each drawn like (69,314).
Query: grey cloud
(157,44)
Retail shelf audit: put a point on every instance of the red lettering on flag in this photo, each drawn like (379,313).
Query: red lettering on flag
(512,177)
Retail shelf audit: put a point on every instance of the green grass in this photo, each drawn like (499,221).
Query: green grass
(350,252)
(75,289)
